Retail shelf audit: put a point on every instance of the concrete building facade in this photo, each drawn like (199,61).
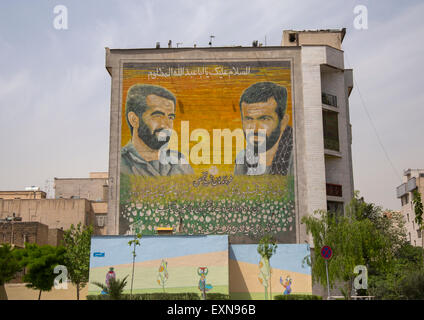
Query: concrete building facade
(413,179)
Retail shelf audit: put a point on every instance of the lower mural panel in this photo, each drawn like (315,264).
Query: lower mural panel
(288,272)
(179,264)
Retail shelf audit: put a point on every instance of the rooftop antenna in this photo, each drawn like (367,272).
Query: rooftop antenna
(210,41)
(178,43)
(170,44)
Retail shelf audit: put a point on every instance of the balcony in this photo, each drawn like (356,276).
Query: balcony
(406,187)
(334,190)
(329,99)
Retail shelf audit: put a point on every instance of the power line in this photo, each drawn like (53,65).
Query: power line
(373,126)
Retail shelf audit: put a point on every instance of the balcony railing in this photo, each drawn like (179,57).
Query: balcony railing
(329,99)
(406,187)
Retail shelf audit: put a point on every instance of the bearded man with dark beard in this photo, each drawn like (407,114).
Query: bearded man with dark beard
(269,138)
(150,113)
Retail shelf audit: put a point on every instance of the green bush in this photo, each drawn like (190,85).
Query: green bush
(217,296)
(297,297)
(150,296)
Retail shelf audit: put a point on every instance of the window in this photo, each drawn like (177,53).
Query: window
(407,215)
(331,130)
(405,199)
(334,207)
(292,37)
(334,190)
(419,233)
(409,233)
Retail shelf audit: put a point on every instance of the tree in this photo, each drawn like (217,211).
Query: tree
(412,285)
(115,288)
(77,242)
(135,242)
(40,262)
(399,282)
(266,248)
(9,265)
(391,224)
(354,242)
(418,209)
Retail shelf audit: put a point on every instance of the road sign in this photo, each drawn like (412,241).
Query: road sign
(326,252)
(99,254)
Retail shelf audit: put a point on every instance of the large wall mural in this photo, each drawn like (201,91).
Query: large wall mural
(207,148)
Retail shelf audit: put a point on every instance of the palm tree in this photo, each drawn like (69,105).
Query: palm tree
(115,289)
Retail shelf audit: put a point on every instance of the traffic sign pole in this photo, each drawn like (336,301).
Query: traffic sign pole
(327,253)
(328,281)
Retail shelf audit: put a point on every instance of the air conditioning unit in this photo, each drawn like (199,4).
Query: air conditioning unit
(101,221)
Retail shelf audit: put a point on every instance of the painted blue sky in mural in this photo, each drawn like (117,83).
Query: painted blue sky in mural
(117,251)
(114,250)
(287,256)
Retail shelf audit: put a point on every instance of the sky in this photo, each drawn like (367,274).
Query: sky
(55,90)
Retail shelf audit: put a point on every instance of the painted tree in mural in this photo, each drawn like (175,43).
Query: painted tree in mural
(163,274)
(8,267)
(77,242)
(354,240)
(264,274)
(266,248)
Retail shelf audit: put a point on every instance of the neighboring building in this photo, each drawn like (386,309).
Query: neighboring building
(94,189)
(17,233)
(77,200)
(55,213)
(413,179)
(6,195)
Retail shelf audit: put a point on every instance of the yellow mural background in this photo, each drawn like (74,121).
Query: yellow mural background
(207,103)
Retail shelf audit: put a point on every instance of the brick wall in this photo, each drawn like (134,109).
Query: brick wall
(18,233)
(55,237)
